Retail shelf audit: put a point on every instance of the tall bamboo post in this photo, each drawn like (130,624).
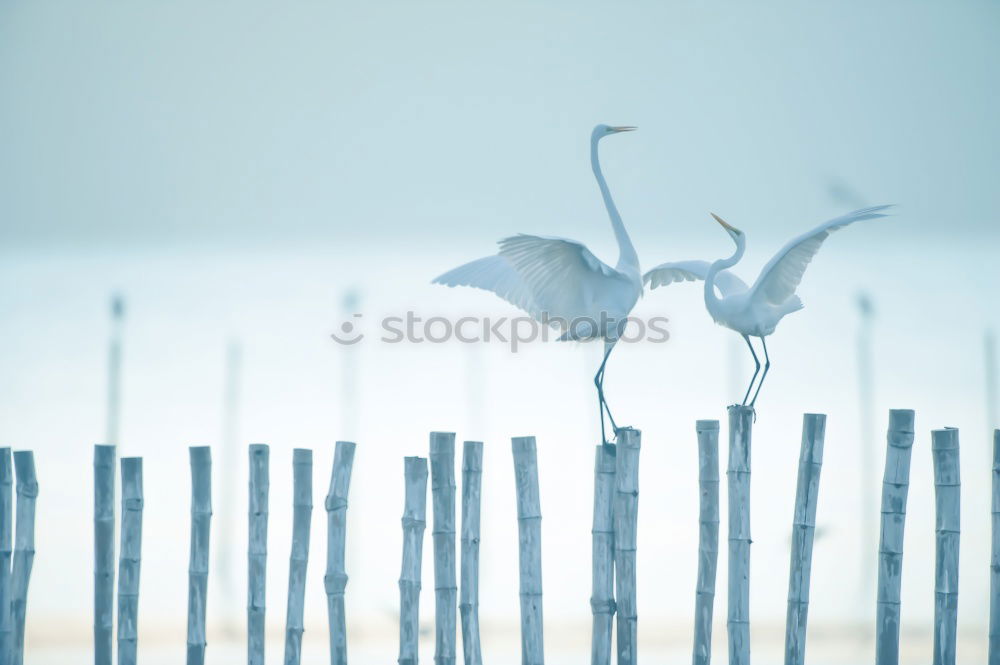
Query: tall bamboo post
(24,547)
(529,527)
(129,560)
(414,521)
(626,523)
(6,553)
(201,520)
(104,553)
(738,486)
(302,505)
(708,539)
(602,596)
(803,532)
(335,581)
(994,651)
(472,475)
(895,488)
(445,587)
(257,552)
(947,493)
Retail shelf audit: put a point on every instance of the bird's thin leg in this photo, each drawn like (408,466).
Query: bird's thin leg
(756,370)
(600,388)
(767,366)
(600,406)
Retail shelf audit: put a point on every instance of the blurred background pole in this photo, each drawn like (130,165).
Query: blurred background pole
(114,396)
(227,497)
(350,306)
(992,390)
(866,408)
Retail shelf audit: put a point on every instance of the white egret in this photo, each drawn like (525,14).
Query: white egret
(756,310)
(560,281)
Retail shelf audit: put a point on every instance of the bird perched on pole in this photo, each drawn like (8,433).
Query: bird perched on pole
(560,282)
(754,311)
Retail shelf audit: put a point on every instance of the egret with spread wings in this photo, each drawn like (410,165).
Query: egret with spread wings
(560,282)
(754,311)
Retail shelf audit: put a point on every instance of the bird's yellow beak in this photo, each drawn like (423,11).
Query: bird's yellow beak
(624,128)
(725,225)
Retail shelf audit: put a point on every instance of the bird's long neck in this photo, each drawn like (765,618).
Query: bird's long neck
(626,256)
(712,300)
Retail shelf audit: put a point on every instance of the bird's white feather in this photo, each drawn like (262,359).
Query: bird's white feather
(492,273)
(690,271)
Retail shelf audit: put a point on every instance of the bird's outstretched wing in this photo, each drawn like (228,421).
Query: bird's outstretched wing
(557,271)
(690,271)
(783,273)
(492,273)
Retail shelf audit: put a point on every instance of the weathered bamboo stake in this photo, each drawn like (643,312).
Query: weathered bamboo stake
(803,532)
(257,552)
(445,586)
(626,523)
(6,553)
(602,596)
(994,650)
(947,495)
(129,560)
(335,581)
(895,488)
(24,548)
(414,521)
(472,474)
(302,505)
(529,527)
(708,539)
(201,520)
(104,553)
(738,485)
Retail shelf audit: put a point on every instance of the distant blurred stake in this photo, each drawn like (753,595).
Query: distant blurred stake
(895,488)
(257,552)
(602,599)
(302,506)
(738,480)
(803,532)
(129,560)
(335,581)
(201,520)
(947,492)
(472,473)
(414,521)
(994,653)
(626,526)
(445,587)
(708,539)
(6,523)
(529,526)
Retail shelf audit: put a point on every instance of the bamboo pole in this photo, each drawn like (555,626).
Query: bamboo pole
(895,488)
(6,553)
(104,553)
(708,539)
(803,532)
(414,521)
(994,650)
(529,527)
(738,486)
(129,560)
(602,597)
(257,552)
(445,588)
(947,494)
(24,548)
(472,475)
(302,505)
(626,522)
(201,520)
(335,581)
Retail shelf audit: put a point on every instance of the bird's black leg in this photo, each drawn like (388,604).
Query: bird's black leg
(600,405)
(756,370)
(600,388)
(767,366)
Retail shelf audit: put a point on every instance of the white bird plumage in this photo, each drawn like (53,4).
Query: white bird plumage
(560,282)
(755,311)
